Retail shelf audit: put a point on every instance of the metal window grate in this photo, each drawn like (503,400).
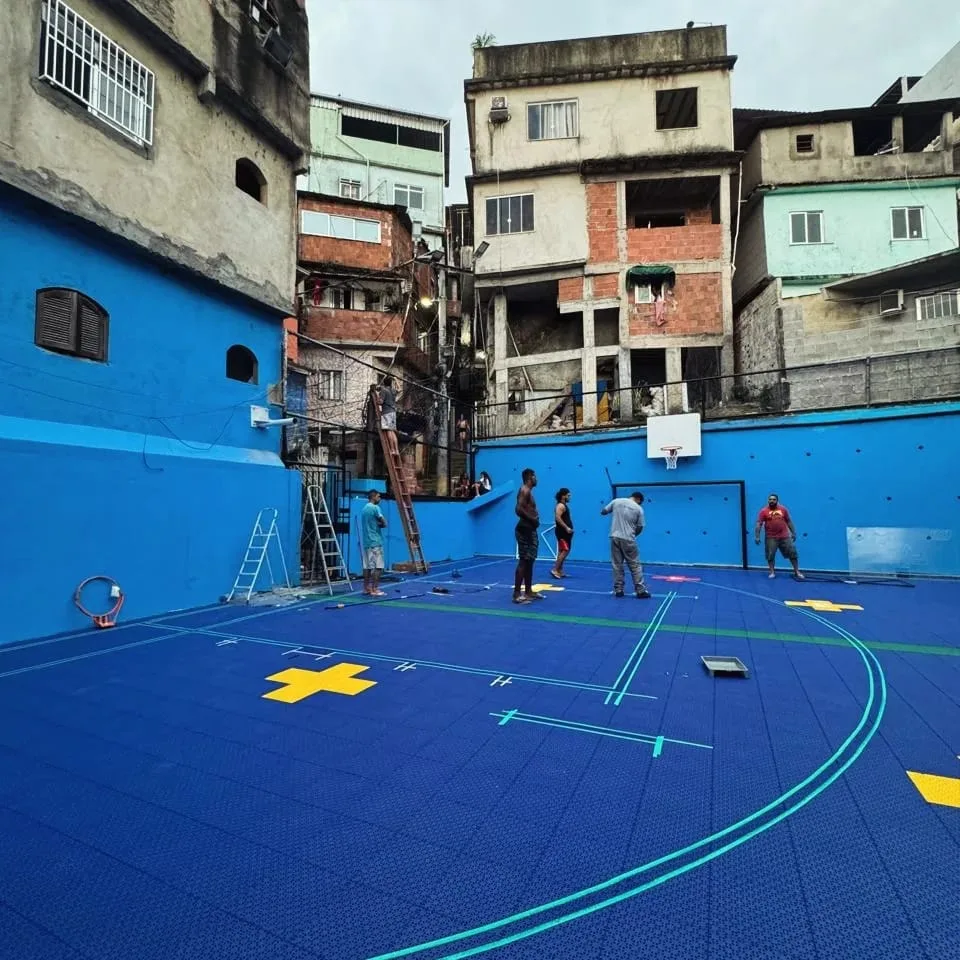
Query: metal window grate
(78,58)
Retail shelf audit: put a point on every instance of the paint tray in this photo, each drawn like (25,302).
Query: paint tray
(725,666)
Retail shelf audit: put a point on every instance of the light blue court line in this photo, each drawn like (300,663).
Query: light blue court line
(83,656)
(452,667)
(658,618)
(563,724)
(648,632)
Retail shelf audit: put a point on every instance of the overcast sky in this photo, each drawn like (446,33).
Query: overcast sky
(793,54)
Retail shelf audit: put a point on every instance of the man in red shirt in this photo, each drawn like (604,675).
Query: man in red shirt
(780,532)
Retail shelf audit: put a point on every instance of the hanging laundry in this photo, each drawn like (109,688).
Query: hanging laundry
(660,311)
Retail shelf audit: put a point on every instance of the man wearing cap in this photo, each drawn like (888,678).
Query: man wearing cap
(625,527)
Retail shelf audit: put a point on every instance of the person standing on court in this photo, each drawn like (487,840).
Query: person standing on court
(625,527)
(528,540)
(372,522)
(563,528)
(780,535)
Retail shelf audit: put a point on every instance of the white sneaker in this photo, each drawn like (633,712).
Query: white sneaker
(770,576)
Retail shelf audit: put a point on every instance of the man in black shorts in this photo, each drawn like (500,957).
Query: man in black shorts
(528,539)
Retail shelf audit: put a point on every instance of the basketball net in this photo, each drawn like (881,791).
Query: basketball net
(670,454)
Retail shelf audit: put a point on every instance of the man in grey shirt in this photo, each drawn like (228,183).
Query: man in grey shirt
(625,527)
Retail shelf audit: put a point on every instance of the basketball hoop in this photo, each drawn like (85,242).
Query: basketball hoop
(102,621)
(670,454)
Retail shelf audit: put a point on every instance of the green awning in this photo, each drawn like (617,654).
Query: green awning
(645,273)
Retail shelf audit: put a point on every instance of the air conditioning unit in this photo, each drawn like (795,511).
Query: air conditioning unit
(499,110)
(891,303)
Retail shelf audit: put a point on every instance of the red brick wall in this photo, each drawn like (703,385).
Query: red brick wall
(570,288)
(605,285)
(293,344)
(696,241)
(696,307)
(602,221)
(395,247)
(365,326)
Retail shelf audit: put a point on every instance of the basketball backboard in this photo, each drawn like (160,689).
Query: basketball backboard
(679,430)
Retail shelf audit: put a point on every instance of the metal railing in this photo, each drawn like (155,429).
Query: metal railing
(901,378)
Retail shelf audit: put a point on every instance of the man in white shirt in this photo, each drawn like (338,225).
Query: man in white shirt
(626,526)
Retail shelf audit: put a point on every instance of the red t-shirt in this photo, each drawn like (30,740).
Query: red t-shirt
(776,521)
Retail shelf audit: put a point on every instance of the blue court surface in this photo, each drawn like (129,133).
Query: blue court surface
(450,775)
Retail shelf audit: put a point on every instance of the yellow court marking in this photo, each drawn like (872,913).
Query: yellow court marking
(823,606)
(300,684)
(540,587)
(944,791)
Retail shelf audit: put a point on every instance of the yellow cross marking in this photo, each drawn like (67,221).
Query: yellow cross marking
(823,606)
(944,791)
(299,684)
(539,587)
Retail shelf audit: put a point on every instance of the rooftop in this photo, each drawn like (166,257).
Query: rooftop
(923,274)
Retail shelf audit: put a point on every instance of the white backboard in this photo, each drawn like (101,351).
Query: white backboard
(674,430)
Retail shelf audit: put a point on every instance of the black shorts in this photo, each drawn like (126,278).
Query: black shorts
(528,542)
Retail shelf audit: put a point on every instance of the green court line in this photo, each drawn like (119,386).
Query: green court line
(881,645)
(658,747)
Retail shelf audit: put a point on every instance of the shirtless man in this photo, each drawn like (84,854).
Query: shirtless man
(528,539)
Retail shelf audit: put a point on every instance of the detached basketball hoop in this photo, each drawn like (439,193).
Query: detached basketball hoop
(670,454)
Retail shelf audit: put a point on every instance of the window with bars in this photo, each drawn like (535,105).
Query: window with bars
(509,214)
(553,120)
(906,223)
(68,322)
(78,59)
(330,384)
(807,227)
(407,196)
(350,189)
(938,306)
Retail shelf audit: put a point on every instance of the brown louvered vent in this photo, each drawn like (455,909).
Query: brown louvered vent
(68,322)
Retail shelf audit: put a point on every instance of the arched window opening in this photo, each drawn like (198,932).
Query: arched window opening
(250,180)
(241,364)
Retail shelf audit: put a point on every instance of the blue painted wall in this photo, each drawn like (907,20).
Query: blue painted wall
(857,226)
(895,468)
(144,468)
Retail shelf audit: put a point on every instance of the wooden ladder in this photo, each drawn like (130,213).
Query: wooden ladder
(411,529)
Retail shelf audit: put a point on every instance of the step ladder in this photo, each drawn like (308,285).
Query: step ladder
(316,518)
(411,530)
(258,552)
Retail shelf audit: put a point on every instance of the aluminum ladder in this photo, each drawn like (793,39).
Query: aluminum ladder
(326,542)
(411,529)
(258,550)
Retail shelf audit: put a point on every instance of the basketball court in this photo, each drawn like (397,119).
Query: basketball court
(445,774)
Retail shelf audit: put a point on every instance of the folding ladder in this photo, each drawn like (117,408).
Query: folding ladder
(258,548)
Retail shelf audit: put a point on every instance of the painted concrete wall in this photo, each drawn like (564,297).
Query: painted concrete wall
(53,147)
(378,166)
(772,158)
(856,224)
(616,118)
(834,472)
(144,468)
(560,224)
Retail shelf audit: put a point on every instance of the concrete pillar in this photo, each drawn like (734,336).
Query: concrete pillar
(500,396)
(588,370)
(946,132)
(674,376)
(626,384)
(500,331)
(898,134)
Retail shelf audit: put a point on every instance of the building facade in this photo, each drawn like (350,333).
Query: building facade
(600,198)
(139,152)
(830,195)
(381,156)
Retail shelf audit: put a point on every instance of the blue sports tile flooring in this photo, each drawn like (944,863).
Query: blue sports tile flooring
(562,780)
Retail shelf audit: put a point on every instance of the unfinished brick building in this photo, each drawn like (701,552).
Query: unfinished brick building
(601,184)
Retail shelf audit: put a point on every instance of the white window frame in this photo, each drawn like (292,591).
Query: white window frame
(350,189)
(499,232)
(806,214)
(114,86)
(410,190)
(937,306)
(330,385)
(643,293)
(557,130)
(906,217)
(315,223)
